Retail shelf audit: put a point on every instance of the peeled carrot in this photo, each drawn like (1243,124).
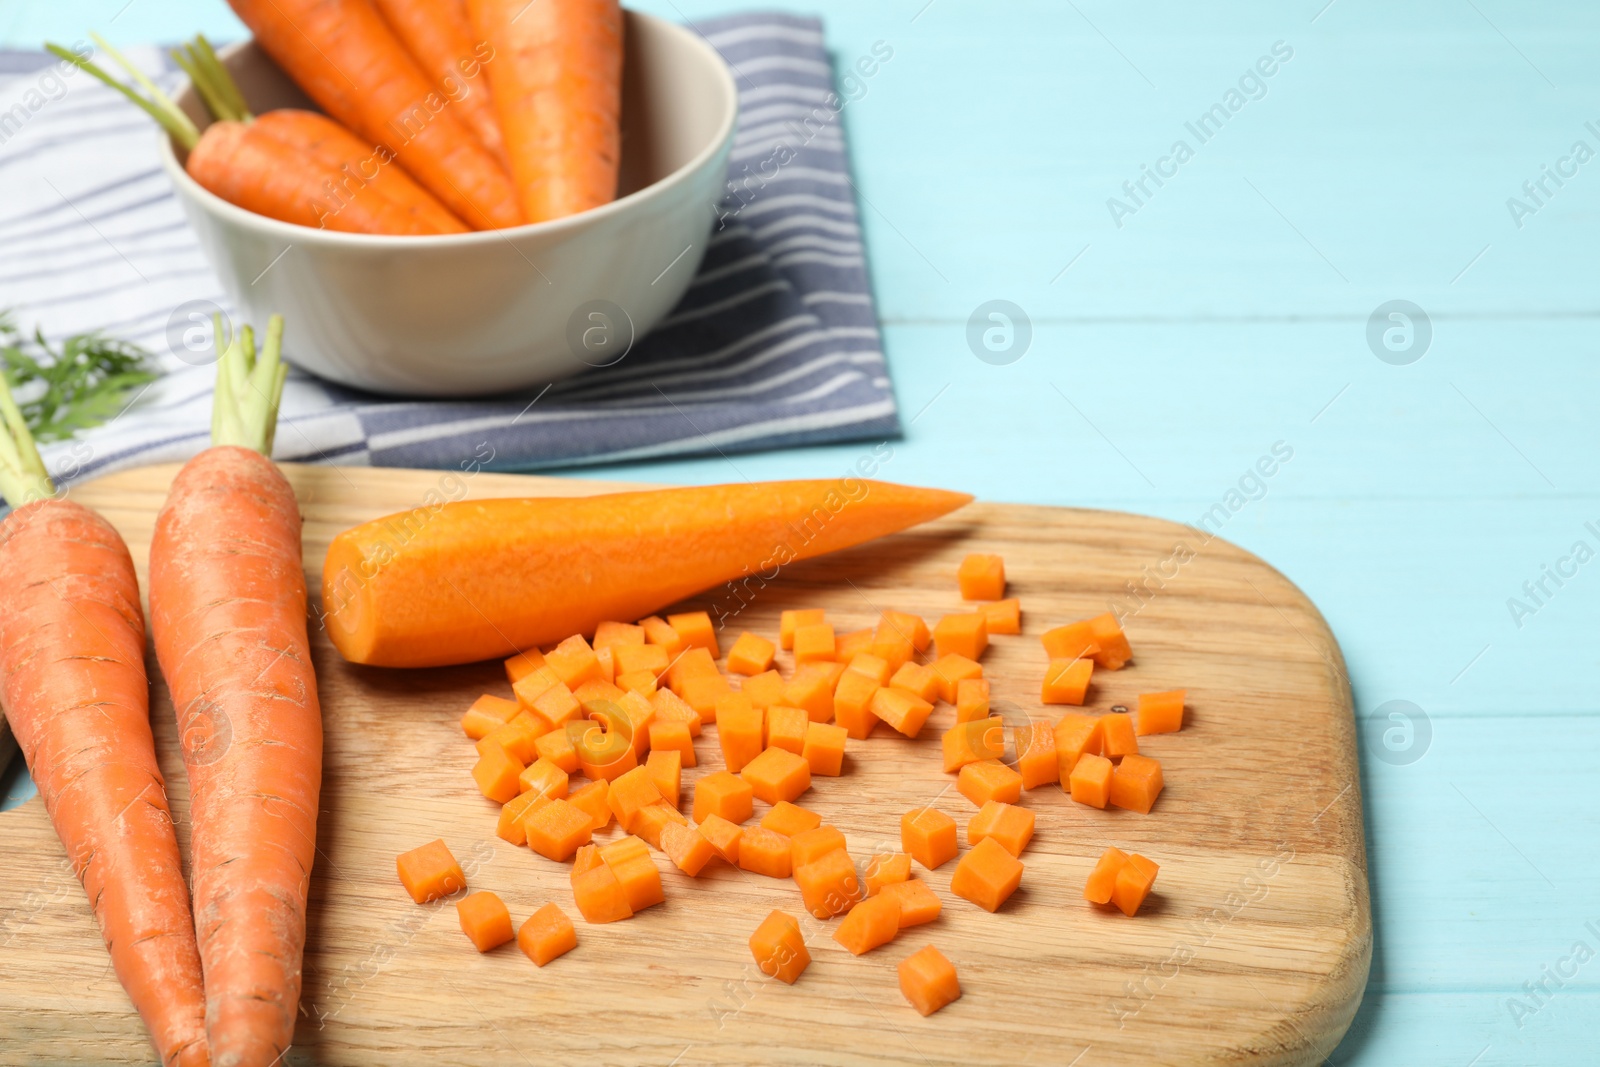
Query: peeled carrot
(438,35)
(73,688)
(557,86)
(228,612)
(346,59)
(486,578)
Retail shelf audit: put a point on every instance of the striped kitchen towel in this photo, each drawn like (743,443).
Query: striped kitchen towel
(776,342)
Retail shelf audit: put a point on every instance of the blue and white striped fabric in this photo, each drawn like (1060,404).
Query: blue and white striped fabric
(775,344)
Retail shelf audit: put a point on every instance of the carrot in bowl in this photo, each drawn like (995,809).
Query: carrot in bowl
(438,35)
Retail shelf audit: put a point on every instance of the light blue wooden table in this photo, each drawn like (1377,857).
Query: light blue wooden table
(1228,311)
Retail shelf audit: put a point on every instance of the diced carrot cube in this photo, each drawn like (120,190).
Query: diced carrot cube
(658,632)
(594,799)
(852,704)
(702,692)
(739,725)
(886,868)
(790,621)
(488,713)
(671,708)
(600,896)
(666,770)
(1002,616)
(509,826)
(587,858)
(790,819)
(555,830)
(496,774)
(1117,735)
(608,665)
(813,643)
(912,626)
(1136,784)
(642,682)
(633,658)
(873,922)
(779,948)
(1133,884)
(1075,640)
(484,919)
(764,689)
(1007,824)
(629,794)
(973,742)
(892,643)
(641,716)
(686,847)
(1090,780)
(904,711)
(1103,879)
(828,884)
(614,635)
(777,774)
(545,778)
(429,872)
(547,934)
(929,836)
(808,846)
(597,689)
(751,654)
(653,819)
(558,705)
(989,780)
(1159,713)
(972,699)
(1076,736)
(918,902)
(763,851)
(964,634)
(1066,681)
(987,875)
(604,751)
(786,728)
(573,661)
(629,859)
(824,749)
(874,667)
(533,684)
(953,669)
(725,794)
(673,737)
(811,687)
(928,980)
(556,747)
(723,835)
(855,643)
(523,664)
(517,736)
(692,662)
(915,678)
(1036,754)
(982,577)
(697,631)
(1114,649)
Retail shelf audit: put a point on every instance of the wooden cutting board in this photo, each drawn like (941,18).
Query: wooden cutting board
(1254,948)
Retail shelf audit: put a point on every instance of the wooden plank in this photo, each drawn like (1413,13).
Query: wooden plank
(1254,950)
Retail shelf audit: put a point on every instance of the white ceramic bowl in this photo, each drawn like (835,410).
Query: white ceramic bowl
(481,313)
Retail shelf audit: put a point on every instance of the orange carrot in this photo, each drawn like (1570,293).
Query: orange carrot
(438,35)
(346,59)
(73,688)
(486,578)
(556,80)
(228,612)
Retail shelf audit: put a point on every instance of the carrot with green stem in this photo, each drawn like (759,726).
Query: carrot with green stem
(228,613)
(348,60)
(74,690)
(290,165)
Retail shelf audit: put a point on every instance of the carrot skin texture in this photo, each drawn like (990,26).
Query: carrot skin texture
(345,57)
(75,693)
(483,578)
(228,612)
(557,85)
(438,35)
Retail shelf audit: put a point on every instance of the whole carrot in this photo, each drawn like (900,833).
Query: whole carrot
(228,613)
(439,37)
(557,86)
(346,59)
(476,579)
(73,686)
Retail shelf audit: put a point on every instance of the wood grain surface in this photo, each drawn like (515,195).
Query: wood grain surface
(1253,949)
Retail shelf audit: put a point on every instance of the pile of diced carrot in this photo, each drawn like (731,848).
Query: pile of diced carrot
(624,710)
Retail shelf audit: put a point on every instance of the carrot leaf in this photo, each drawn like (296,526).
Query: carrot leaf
(158,105)
(249,390)
(75,386)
